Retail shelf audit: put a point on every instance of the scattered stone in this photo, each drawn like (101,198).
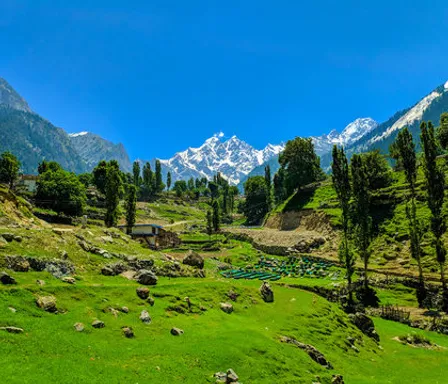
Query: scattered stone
(232,377)
(7,279)
(226,378)
(144,317)
(143,292)
(226,307)
(124,309)
(232,295)
(79,327)
(17,263)
(194,259)
(202,308)
(3,241)
(111,310)
(147,277)
(64,255)
(9,237)
(113,269)
(12,309)
(47,303)
(107,239)
(266,292)
(139,264)
(128,332)
(337,379)
(40,282)
(151,301)
(69,280)
(98,324)
(317,356)
(176,331)
(365,325)
(83,244)
(12,329)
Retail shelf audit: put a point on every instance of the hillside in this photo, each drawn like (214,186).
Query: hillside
(93,148)
(33,139)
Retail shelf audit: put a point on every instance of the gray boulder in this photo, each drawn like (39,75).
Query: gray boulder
(11,329)
(365,325)
(144,317)
(312,352)
(128,332)
(193,259)
(267,293)
(147,277)
(17,263)
(142,292)
(226,307)
(79,327)
(98,324)
(47,303)
(7,279)
(176,331)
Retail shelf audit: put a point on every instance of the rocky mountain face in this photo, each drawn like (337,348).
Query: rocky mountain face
(234,158)
(8,96)
(33,139)
(93,148)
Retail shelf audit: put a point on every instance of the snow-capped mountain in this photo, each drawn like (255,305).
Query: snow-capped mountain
(351,133)
(234,158)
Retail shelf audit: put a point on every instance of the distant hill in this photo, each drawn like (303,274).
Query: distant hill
(93,148)
(32,139)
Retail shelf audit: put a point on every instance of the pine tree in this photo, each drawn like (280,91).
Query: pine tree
(341,184)
(136,173)
(209,223)
(435,184)
(267,178)
(216,219)
(279,186)
(131,203)
(404,149)
(159,186)
(148,181)
(113,189)
(361,211)
(168,181)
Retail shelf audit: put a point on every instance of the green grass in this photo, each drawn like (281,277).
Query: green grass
(247,340)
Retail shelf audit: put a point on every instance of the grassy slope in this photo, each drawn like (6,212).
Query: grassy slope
(246,340)
(390,248)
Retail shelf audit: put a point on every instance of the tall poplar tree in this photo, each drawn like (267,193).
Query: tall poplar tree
(435,185)
(168,181)
(268,180)
(130,205)
(361,211)
(136,173)
(113,189)
(341,184)
(404,152)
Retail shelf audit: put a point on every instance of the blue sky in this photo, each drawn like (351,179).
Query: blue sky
(163,75)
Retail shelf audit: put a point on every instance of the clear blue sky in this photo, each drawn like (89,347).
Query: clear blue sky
(163,75)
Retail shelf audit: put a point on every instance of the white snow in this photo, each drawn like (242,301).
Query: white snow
(234,158)
(446,85)
(414,114)
(78,134)
(351,133)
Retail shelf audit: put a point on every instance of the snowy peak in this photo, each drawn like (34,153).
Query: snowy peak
(234,158)
(350,134)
